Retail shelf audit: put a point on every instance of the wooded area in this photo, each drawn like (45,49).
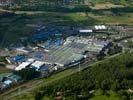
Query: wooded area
(113,74)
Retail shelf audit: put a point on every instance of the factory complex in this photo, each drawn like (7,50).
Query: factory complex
(50,55)
(70,52)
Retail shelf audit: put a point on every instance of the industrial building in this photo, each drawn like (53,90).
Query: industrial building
(85,31)
(37,64)
(8,79)
(72,50)
(93,29)
(22,66)
(60,54)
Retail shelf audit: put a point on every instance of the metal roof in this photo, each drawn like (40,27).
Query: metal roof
(85,31)
(22,66)
(8,82)
(38,64)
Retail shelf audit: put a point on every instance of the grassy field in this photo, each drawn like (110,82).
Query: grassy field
(106,6)
(125,18)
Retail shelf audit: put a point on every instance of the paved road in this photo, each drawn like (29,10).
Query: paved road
(20,90)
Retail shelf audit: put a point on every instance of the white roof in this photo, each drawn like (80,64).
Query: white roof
(8,82)
(99,27)
(96,27)
(103,26)
(85,31)
(38,64)
(31,60)
(21,49)
(22,66)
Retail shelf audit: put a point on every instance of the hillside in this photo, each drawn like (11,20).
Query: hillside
(108,79)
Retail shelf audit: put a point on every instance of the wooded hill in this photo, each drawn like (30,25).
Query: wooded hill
(112,74)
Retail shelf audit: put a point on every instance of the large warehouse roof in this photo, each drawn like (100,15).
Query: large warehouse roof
(38,64)
(22,66)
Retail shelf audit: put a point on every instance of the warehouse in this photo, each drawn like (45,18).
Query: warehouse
(85,31)
(22,66)
(16,59)
(37,64)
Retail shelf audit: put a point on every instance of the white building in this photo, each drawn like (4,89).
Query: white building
(100,27)
(31,60)
(85,31)
(37,64)
(22,49)
(22,66)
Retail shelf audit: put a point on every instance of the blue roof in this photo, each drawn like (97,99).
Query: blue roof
(44,68)
(20,58)
(38,56)
(39,36)
(57,33)
(57,42)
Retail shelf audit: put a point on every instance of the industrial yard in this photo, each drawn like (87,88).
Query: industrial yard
(71,52)
(54,52)
(50,56)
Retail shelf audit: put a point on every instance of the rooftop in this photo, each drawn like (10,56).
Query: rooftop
(23,65)
(38,64)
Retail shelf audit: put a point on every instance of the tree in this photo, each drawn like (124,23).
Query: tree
(27,73)
(115,86)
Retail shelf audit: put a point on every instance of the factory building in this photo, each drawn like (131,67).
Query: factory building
(22,66)
(95,29)
(37,64)
(7,80)
(63,53)
(85,31)
(100,27)
(18,59)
